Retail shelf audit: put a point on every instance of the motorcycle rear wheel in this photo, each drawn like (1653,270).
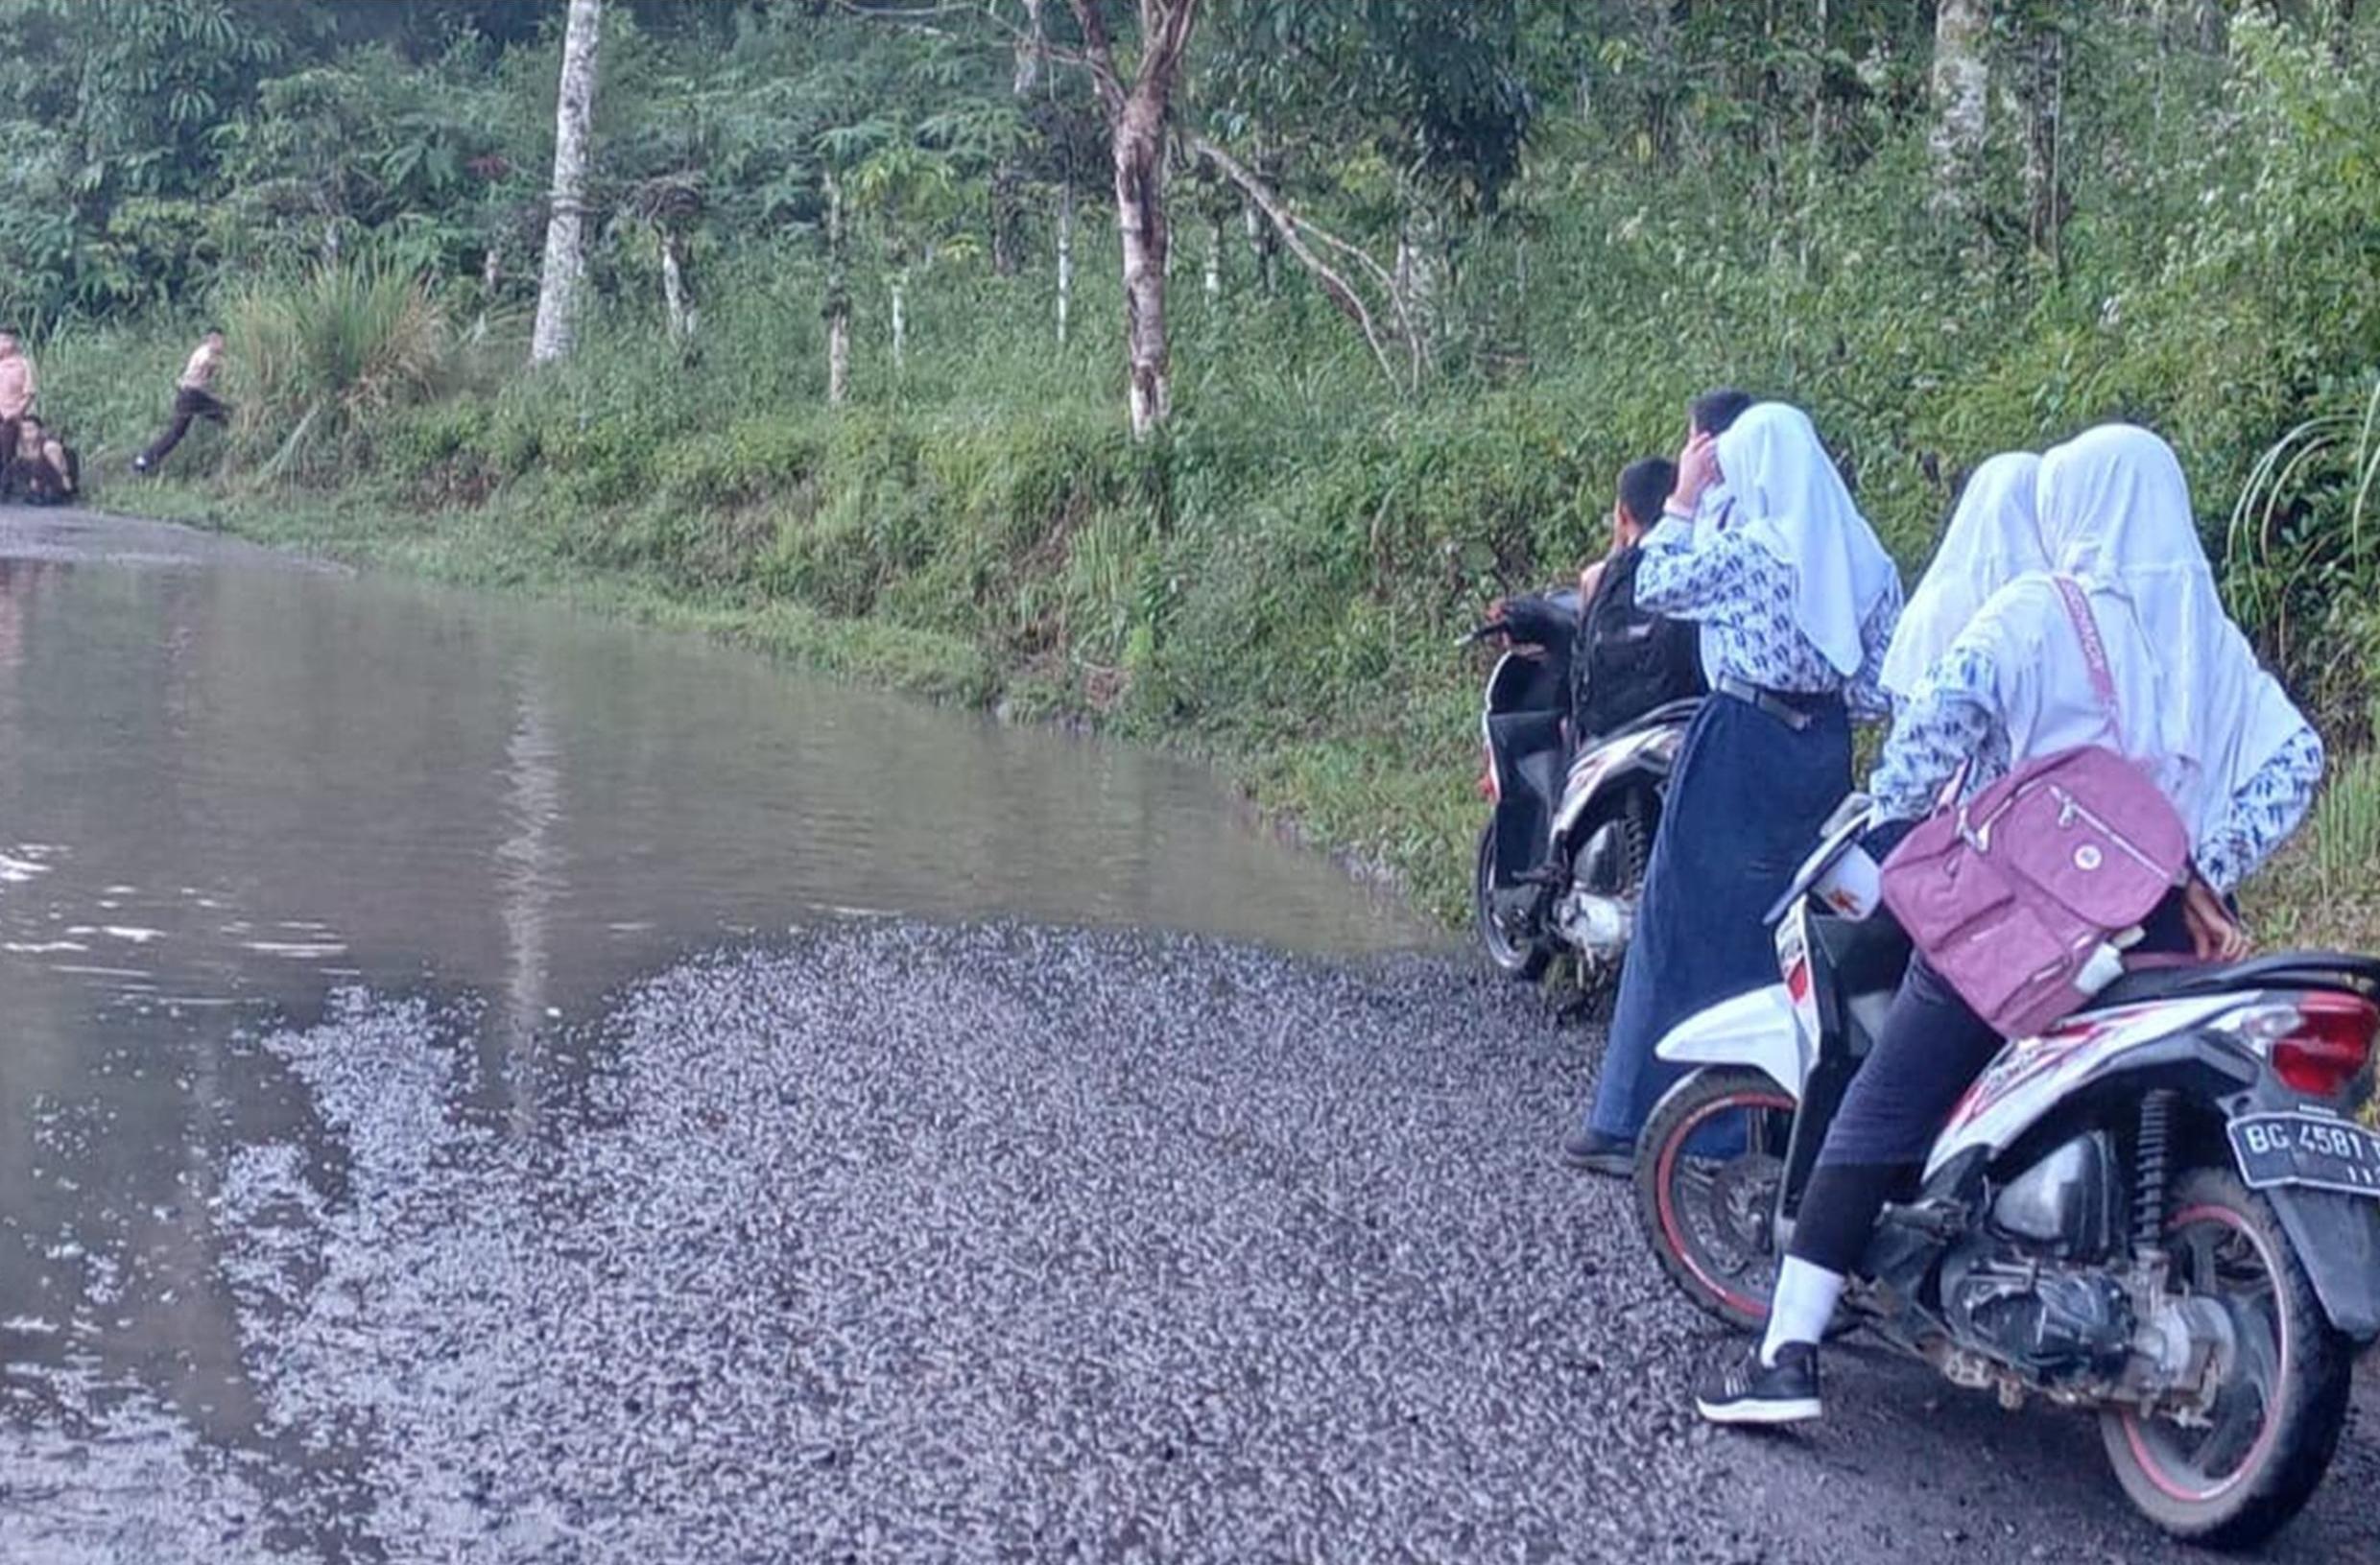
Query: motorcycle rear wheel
(2278,1419)
(1710,1217)
(1522,961)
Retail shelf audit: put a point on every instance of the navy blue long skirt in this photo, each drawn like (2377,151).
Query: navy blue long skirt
(1745,804)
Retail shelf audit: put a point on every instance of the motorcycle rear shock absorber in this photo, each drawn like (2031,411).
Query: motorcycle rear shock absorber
(2153,1167)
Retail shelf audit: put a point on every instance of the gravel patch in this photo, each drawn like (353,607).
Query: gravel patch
(1001,1244)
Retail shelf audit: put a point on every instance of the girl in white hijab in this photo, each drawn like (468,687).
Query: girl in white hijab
(1993,539)
(1796,601)
(2239,763)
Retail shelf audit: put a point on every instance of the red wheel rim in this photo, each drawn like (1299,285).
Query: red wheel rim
(1665,1202)
(2151,1464)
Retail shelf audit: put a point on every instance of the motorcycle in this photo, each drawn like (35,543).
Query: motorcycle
(1561,858)
(2159,1210)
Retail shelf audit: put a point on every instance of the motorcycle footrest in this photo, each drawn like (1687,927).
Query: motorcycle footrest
(1943,1221)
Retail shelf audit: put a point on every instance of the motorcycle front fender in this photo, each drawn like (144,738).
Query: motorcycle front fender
(1756,1030)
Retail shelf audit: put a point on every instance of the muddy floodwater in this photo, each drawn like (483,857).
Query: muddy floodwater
(235,791)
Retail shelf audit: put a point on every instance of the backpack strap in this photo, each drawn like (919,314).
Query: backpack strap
(2094,650)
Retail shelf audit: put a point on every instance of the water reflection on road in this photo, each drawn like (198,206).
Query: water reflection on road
(230,789)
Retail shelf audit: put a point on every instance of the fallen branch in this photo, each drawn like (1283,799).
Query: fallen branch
(1295,232)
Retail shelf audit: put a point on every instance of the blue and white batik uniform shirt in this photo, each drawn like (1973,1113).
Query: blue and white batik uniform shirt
(1951,720)
(1742,595)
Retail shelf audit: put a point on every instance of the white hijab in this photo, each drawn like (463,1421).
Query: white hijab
(1993,539)
(2194,706)
(1789,497)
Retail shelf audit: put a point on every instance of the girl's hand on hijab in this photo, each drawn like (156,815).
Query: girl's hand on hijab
(1697,469)
(2215,935)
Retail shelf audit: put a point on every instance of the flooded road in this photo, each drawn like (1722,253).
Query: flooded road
(482,1084)
(233,788)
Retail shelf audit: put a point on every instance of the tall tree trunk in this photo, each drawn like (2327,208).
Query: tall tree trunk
(1213,280)
(1005,217)
(838,300)
(675,297)
(2045,95)
(1007,207)
(2214,26)
(1066,258)
(1267,247)
(1032,51)
(900,322)
(1141,225)
(1420,270)
(1962,85)
(562,285)
(1136,114)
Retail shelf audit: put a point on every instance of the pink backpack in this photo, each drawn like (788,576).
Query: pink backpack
(2017,896)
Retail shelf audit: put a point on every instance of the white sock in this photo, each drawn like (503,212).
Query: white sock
(1806,1296)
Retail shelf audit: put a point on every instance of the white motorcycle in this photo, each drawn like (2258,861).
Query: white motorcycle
(2161,1210)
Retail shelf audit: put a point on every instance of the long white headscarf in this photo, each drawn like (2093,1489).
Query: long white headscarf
(1993,539)
(1789,497)
(2194,703)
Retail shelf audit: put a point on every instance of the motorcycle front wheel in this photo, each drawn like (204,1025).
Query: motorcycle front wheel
(1708,1168)
(2238,1477)
(1521,957)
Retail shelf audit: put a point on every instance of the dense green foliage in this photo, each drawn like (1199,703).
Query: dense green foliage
(1588,212)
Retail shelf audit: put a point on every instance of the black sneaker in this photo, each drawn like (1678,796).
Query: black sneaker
(1600,1153)
(1749,1392)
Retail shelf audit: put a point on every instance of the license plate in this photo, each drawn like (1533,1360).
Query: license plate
(2301,1149)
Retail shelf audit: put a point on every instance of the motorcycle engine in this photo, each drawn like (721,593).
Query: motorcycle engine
(2049,1319)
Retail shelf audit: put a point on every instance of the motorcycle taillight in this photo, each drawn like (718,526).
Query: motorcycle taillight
(2324,1047)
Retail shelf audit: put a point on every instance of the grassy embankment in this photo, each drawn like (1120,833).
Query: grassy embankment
(1277,587)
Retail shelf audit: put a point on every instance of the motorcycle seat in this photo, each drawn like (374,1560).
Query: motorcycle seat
(2281,970)
(1661,716)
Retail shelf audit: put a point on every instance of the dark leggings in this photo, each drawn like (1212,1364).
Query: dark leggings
(1930,1050)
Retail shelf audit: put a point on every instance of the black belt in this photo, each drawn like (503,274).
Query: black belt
(1796,710)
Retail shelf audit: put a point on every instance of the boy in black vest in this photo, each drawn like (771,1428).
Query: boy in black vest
(1626,660)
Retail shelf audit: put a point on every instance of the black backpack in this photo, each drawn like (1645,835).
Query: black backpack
(1628,660)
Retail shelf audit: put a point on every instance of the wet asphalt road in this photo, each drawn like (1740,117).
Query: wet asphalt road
(909,1243)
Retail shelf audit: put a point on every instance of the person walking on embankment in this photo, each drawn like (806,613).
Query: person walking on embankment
(193,398)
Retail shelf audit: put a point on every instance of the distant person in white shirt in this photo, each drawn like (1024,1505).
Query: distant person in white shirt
(16,392)
(192,399)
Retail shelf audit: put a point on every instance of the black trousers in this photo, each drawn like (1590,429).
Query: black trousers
(189,403)
(1930,1050)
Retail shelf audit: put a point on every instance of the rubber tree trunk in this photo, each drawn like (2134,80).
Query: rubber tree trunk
(1213,279)
(1136,110)
(676,298)
(1065,259)
(900,323)
(1141,226)
(838,302)
(562,283)
(1962,85)
(2045,104)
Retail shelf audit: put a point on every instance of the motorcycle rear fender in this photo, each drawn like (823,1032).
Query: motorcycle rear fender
(2337,1237)
(2030,1077)
(1755,1030)
(1603,770)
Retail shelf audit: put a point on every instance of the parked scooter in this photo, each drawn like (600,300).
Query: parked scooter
(1561,859)
(2159,1209)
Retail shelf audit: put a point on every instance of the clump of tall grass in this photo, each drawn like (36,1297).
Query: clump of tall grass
(323,355)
